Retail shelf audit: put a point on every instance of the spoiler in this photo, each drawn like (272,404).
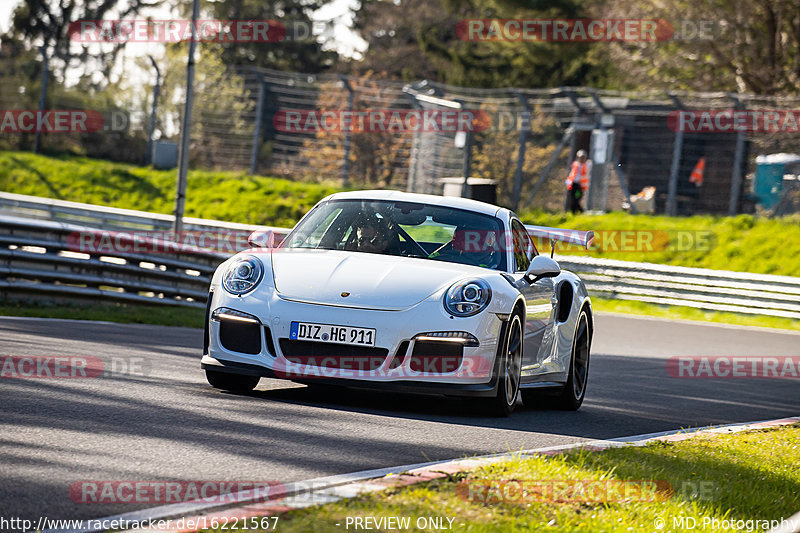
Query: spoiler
(584,238)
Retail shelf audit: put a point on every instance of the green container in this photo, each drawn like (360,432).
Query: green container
(768,183)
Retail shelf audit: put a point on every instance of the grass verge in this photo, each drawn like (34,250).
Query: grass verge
(743,243)
(219,195)
(160,315)
(742,476)
(690,313)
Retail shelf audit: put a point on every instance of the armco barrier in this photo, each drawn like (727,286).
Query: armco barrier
(98,216)
(37,262)
(718,290)
(183,279)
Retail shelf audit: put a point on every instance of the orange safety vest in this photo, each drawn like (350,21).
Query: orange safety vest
(583,170)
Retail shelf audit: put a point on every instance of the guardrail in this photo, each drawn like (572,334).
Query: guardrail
(98,216)
(39,260)
(182,278)
(718,290)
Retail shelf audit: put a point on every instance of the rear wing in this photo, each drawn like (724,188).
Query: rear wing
(572,236)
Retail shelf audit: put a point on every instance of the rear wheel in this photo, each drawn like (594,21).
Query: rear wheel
(574,390)
(509,369)
(231,382)
(570,396)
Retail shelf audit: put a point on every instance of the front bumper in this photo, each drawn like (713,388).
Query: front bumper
(474,390)
(396,338)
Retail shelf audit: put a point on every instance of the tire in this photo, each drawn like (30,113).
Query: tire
(508,369)
(231,382)
(574,390)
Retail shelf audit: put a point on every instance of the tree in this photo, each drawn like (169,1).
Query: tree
(393,32)
(46,23)
(495,157)
(222,105)
(298,51)
(415,39)
(375,156)
(741,46)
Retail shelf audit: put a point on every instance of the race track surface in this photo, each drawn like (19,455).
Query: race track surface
(163,422)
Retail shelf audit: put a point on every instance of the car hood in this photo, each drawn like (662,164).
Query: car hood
(372,281)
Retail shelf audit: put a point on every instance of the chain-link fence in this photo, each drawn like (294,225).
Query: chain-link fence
(702,153)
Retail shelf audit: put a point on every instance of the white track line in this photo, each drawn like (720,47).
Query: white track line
(332,488)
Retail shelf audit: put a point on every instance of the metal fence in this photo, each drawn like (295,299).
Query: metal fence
(40,260)
(717,290)
(111,218)
(525,148)
(532,137)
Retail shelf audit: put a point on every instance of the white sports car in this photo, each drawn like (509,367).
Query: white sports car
(404,292)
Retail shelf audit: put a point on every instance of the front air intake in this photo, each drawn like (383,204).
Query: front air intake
(242,337)
(436,356)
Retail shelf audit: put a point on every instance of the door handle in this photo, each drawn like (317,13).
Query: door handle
(554,301)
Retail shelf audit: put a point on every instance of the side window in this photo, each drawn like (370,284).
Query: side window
(523,247)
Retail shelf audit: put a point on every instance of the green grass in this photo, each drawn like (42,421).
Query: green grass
(230,196)
(743,243)
(690,313)
(161,315)
(746,476)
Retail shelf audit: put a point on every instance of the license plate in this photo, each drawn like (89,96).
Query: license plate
(305,331)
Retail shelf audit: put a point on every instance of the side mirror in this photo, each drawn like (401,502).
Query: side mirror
(542,267)
(262,238)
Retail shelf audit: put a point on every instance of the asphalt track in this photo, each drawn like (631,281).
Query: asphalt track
(161,421)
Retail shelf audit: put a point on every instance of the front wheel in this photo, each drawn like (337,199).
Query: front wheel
(574,390)
(509,369)
(231,382)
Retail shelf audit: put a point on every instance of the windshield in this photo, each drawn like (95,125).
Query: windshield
(404,229)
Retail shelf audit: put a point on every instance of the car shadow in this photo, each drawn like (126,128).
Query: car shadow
(625,396)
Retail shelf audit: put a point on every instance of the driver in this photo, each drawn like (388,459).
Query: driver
(373,235)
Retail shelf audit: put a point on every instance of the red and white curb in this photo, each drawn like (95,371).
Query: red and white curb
(330,489)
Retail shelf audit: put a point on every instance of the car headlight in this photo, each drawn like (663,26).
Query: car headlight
(467,298)
(243,275)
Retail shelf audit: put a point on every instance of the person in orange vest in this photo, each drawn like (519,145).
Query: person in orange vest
(580,171)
